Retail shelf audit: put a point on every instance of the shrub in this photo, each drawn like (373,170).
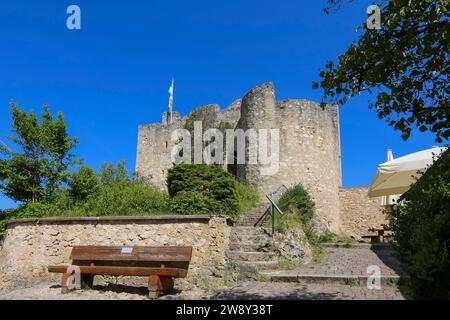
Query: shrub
(209,180)
(421,232)
(83,183)
(3,222)
(247,197)
(126,198)
(192,202)
(36,210)
(297,205)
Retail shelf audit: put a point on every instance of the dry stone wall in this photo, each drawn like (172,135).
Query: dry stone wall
(359,212)
(309,148)
(32,245)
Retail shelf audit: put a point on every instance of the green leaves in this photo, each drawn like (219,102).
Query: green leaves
(296,201)
(41,164)
(225,194)
(406,63)
(421,228)
(83,183)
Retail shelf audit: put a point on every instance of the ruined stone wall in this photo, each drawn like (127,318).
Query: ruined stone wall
(154,145)
(359,212)
(31,246)
(309,148)
(154,148)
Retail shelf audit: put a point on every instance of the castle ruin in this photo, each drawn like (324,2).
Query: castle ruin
(309,153)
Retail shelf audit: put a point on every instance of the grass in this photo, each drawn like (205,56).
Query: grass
(285,264)
(317,253)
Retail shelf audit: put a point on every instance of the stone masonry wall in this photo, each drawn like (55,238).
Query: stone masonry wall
(309,148)
(30,246)
(154,144)
(359,212)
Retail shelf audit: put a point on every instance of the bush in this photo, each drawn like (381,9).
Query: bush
(3,222)
(209,180)
(126,198)
(297,205)
(192,202)
(247,197)
(36,210)
(421,232)
(83,183)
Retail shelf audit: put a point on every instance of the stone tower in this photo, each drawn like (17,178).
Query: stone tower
(308,148)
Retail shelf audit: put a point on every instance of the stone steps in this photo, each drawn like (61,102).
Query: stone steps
(250,247)
(259,265)
(252,217)
(251,251)
(287,276)
(372,246)
(252,256)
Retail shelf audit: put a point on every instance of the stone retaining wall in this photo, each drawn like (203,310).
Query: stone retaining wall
(33,244)
(359,212)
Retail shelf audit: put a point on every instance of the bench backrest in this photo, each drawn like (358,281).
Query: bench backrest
(132,254)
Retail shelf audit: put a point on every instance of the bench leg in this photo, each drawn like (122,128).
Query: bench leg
(87,280)
(159,285)
(67,282)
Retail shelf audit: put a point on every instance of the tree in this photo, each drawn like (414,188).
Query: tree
(108,174)
(421,231)
(40,166)
(83,183)
(405,64)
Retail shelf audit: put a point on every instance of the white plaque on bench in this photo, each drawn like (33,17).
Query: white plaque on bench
(127,250)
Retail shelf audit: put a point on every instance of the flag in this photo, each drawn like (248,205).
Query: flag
(171,97)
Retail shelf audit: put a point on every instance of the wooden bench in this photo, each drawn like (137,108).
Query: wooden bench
(378,238)
(160,264)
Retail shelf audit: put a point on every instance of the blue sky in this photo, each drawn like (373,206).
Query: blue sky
(114,73)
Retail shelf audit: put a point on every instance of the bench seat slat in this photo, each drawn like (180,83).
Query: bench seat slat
(124,271)
(139,253)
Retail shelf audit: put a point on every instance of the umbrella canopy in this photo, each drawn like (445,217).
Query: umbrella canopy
(396,176)
(391,199)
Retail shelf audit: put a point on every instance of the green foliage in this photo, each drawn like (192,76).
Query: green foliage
(404,64)
(127,199)
(421,232)
(297,203)
(3,224)
(109,193)
(211,181)
(109,175)
(36,210)
(326,237)
(247,197)
(192,203)
(226,196)
(41,165)
(83,183)
(206,114)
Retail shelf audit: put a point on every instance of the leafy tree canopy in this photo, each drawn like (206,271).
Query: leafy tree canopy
(405,64)
(39,162)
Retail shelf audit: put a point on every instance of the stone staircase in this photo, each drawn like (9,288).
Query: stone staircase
(250,250)
(250,246)
(253,217)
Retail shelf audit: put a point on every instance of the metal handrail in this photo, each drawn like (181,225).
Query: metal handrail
(273,206)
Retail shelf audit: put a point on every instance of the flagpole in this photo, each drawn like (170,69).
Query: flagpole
(171,102)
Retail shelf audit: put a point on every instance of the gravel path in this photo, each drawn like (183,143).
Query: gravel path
(245,291)
(309,291)
(337,262)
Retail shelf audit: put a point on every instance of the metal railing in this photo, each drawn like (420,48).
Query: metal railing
(273,206)
(273,197)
